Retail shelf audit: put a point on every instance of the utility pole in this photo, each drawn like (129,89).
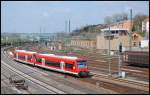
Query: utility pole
(120,59)
(69,26)
(109,51)
(130,33)
(65,26)
(40,35)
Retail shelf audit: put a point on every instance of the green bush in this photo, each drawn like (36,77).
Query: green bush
(142,33)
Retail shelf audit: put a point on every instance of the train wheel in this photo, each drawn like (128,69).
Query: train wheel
(34,65)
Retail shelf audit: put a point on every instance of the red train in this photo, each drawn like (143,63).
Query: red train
(64,64)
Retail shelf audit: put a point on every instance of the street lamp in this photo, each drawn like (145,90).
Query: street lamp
(6,40)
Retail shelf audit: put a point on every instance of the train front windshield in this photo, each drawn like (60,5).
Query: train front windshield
(82,64)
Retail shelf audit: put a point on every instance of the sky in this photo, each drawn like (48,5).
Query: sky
(51,16)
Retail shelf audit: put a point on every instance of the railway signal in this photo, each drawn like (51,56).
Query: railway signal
(120,48)
(119,65)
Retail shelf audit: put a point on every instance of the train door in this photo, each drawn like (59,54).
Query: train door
(26,57)
(62,65)
(43,61)
(17,55)
(33,60)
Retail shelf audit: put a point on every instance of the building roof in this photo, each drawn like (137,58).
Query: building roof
(122,25)
(59,56)
(114,29)
(146,19)
(125,21)
(25,51)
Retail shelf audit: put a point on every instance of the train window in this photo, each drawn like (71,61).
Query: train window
(82,64)
(29,57)
(56,64)
(21,57)
(15,55)
(69,66)
(39,60)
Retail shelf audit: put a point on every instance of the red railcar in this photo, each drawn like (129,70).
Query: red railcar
(65,64)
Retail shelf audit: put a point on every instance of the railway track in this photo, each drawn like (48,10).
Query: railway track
(32,79)
(95,58)
(94,63)
(125,82)
(7,84)
(75,85)
(138,85)
(114,86)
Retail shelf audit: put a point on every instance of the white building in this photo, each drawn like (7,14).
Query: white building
(145,27)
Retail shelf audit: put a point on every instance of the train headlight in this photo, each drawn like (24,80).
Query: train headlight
(73,68)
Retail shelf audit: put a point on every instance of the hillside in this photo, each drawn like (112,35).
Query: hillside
(94,29)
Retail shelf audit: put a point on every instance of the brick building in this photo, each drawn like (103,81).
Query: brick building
(136,39)
(120,33)
(102,42)
(84,43)
(125,25)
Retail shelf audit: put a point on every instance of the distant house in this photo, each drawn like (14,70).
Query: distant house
(55,45)
(119,31)
(43,38)
(120,34)
(120,37)
(145,27)
(125,25)
(136,39)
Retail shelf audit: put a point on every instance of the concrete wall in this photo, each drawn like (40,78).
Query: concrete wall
(83,43)
(102,43)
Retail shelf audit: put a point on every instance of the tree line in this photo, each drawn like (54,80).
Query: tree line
(117,17)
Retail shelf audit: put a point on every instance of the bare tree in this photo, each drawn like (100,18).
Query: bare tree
(137,22)
(117,17)
(107,20)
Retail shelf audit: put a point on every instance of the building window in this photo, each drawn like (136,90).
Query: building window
(135,37)
(116,31)
(122,25)
(134,44)
(21,57)
(29,57)
(113,32)
(139,44)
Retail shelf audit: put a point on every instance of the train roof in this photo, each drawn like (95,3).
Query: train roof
(25,51)
(59,56)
